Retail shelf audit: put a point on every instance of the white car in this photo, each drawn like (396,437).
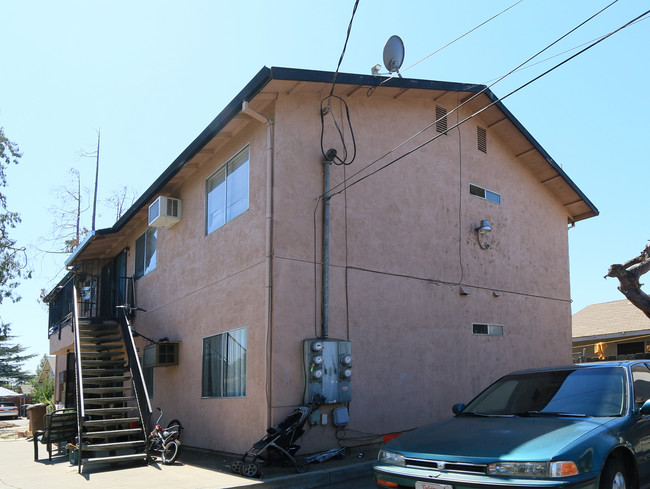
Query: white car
(8,410)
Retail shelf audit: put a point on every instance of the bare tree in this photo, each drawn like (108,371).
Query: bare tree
(628,275)
(71,203)
(120,200)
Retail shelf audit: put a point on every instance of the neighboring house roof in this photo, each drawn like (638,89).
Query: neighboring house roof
(99,244)
(48,368)
(617,319)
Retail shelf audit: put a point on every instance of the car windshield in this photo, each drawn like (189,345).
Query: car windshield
(568,392)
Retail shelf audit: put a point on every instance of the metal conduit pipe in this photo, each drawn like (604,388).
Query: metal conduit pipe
(268,251)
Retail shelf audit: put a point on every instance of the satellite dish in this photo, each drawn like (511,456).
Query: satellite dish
(393,54)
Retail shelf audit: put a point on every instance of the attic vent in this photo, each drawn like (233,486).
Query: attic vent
(441,119)
(481,136)
(164,212)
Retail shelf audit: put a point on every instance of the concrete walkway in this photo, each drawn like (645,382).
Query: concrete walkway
(195,470)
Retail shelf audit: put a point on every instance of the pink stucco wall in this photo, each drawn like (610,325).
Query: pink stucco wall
(402,245)
(410,244)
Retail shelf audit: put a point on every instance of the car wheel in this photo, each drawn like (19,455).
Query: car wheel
(614,475)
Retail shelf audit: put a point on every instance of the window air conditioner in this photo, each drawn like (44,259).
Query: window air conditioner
(163,354)
(164,212)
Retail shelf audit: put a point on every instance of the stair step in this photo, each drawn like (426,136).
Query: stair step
(96,321)
(98,334)
(108,379)
(105,411)
(94,372)
(85,348)
(87,340)
(118,458)
(101,363)
(94,423)
(107,400)
(104,325)
(105,390)
(91,355)
(120,445)
(113,433)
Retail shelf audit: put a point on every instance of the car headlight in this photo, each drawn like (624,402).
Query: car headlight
(533,469)
(391,458)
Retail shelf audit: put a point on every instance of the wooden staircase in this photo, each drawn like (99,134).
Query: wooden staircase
(112,425)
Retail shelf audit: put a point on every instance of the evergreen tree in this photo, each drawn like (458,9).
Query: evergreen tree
(12,257)
(12,358)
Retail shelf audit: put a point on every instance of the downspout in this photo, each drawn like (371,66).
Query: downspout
(268,253)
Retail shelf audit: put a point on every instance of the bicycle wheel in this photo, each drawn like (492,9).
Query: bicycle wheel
(170,452)
(175,426)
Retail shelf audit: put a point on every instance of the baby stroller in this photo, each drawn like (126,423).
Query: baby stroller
(279,444)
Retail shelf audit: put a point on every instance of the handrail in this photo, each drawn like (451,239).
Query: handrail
(137,376)
(81,413)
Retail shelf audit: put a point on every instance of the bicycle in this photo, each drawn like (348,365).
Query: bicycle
(165,441)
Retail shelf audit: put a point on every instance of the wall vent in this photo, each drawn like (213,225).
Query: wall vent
(487,329)
(441,119)
(481,136)
(484,193)
(164,212)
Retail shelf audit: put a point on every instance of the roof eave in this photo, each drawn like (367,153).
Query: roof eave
(266,75)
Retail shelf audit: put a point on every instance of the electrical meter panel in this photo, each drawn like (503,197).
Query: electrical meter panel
(327,370)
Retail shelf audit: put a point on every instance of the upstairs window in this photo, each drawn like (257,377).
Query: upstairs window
(145,252)
(227,191)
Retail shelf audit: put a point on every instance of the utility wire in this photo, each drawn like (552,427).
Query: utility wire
(326,108)
(562,53)
(446,45)
(345,45)
(484,89)
(345,182)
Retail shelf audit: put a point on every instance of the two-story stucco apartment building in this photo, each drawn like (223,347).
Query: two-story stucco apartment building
(447,263)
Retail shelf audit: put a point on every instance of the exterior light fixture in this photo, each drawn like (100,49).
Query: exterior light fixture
(482,234)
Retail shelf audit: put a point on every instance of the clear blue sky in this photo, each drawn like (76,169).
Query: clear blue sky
(151,75)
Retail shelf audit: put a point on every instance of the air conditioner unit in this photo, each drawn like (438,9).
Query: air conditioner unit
(164,212)
(163,354)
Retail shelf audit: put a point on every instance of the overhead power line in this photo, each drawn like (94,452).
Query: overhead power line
(452,42)
(345,45)
(420,146)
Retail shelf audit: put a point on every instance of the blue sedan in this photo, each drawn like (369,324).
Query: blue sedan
(580,427)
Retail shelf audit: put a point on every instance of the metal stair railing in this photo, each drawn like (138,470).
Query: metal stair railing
(137,376)
(81,413)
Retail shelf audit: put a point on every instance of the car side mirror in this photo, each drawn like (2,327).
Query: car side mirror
(457,408)
(645,409)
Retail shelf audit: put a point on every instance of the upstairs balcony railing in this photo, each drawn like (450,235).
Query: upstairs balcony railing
(99,295)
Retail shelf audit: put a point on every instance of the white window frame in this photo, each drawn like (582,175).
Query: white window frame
(227,200)
(228,367)
(483,193)
(148,254)
(491,329)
